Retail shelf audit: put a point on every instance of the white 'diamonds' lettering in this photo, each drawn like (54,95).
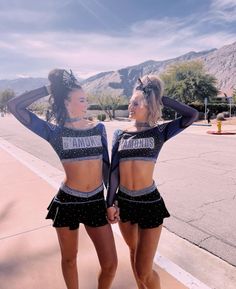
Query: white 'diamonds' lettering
(140,143)
(70,143)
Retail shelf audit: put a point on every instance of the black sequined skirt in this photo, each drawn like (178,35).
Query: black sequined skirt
(69,211)
(147,210)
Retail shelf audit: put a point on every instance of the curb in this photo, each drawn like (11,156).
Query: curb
(53,176)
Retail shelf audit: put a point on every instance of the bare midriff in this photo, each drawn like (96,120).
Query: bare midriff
(84,175)
(136,174)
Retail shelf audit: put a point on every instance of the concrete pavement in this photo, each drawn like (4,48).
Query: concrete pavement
(29,249)
(194,260)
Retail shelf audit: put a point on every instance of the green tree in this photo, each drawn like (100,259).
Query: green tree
(188,82)
(108,102)
(5,95)
(40,107)
(234,95)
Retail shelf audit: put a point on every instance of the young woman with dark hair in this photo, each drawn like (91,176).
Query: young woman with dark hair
(81,146)
(134,153)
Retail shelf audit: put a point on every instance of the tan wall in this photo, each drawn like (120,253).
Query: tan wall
(119,113)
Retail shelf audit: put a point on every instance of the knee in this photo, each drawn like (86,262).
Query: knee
(110,267)
(132,248)
(144,276)
(132,251)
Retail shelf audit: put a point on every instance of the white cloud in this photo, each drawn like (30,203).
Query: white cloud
(223,4)
(223,10)
(90,53)
(22,75)
(6,45)
(153,27)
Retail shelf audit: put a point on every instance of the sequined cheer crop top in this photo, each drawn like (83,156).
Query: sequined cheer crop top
(70,144)
(146,145)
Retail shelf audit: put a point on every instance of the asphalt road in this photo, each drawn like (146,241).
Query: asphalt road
(195,174)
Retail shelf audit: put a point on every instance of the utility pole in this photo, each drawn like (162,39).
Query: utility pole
(205,103)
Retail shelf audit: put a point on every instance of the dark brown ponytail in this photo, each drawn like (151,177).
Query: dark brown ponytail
(60,90)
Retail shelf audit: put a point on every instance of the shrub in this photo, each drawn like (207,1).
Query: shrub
(101,117)
(226,113)
(90,118)
(220,116)
(98,107)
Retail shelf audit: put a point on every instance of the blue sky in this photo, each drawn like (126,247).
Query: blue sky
(90,36)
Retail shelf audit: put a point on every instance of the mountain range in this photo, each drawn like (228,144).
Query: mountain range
(219,62)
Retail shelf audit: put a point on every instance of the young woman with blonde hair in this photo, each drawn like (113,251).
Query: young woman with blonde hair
(134,153)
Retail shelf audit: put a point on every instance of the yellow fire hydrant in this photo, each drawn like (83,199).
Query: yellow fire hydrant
(219,125)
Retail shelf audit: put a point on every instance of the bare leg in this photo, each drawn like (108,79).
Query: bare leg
(104,243)
(130,234)
(147,246)
(68,240)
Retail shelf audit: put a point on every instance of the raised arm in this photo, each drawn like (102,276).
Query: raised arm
(18,107)
(114,177)
(189,114)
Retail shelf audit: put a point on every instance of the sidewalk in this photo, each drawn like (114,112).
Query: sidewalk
(29,249)
(172,249)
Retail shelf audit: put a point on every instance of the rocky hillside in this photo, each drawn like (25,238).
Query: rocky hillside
(20,85)
(219,62)
(222,64)
(122,81)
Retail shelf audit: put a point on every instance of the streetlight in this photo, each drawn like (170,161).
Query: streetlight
(230,98)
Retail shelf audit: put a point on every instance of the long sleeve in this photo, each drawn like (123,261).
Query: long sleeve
(114,177)
(106,161)
(188,116)
(18,107)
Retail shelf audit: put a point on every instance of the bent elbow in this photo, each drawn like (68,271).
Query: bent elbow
(11,106)
(187,121)
(194,116)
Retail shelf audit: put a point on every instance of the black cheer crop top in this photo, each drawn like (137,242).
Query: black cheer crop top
(70,144)
(146,145)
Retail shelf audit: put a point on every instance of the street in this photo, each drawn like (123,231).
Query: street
(195,174)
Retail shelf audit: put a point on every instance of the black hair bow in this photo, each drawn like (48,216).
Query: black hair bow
(146,87)
(69,80)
